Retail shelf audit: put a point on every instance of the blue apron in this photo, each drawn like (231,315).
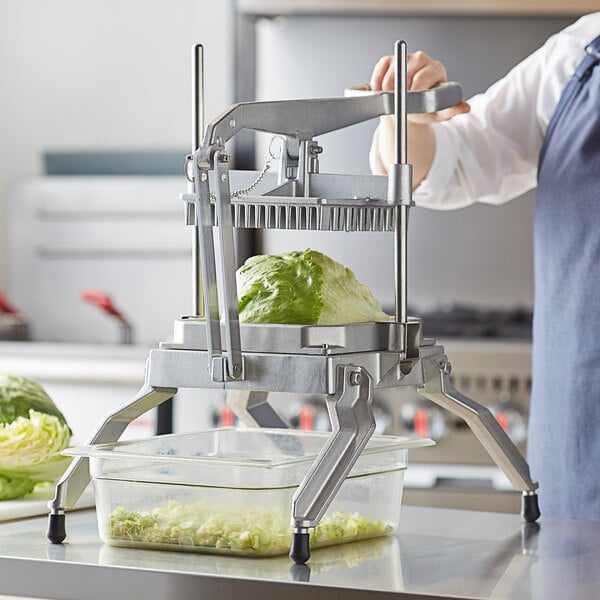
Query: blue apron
(564,425)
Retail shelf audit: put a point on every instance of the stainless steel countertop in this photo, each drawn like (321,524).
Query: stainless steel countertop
(436,553)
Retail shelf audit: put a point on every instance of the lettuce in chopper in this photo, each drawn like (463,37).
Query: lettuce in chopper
(33,433)
(303,288)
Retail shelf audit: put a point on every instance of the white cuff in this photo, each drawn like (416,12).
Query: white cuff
(375,163)
(433,188)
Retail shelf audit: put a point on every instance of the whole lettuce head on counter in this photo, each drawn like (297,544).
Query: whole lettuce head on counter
(303,288)
(33,433)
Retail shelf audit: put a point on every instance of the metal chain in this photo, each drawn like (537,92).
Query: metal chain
(189,158)
(249,188)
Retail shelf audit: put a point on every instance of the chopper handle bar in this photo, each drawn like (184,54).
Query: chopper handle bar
(307,118)
(443,95)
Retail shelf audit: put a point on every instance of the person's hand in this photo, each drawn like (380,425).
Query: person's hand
(422,73)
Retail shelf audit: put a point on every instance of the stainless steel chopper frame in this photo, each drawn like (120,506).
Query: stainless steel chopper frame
(343,362)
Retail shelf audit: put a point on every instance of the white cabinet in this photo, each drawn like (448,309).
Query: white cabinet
(89,382)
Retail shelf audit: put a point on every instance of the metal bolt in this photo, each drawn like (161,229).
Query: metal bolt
(355,378)
(447,368)
(203,176)
(232,123)
(236,370)
(223,158)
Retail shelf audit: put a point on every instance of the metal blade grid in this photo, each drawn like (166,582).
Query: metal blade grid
(255,215)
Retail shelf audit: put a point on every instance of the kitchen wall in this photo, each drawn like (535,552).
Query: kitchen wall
(111,75)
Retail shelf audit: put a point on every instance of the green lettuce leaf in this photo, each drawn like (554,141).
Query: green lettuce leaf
(27,443)
(33,433)
(303,288)
(18,395)
(14,486)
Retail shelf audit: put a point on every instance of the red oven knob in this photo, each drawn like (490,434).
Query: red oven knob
(423,420)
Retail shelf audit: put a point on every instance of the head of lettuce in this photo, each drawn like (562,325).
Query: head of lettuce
(33,433)
(303,288)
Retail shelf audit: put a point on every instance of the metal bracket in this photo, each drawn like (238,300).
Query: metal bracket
(253,409)
(227,250)
(306,118)
(76,478)
(438,388)
(353,424)
(207,259)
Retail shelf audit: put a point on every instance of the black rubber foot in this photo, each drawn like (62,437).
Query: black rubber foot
(56,528)
(300,552)
(530,508)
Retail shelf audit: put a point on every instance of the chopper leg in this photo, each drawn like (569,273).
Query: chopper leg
(353,424)
(252,408)
(438,388)
(76,478)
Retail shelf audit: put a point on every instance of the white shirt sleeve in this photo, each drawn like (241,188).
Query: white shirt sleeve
(491,154)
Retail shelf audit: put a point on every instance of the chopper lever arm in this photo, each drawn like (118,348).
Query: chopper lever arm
(438,388)
(311,117)
(443,95)
(230,366)
(303,118)
(206,261)
(234,361)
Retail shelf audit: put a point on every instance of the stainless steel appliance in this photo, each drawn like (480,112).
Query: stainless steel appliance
(344,362)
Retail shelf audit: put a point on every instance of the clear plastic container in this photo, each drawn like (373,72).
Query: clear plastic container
(229,491)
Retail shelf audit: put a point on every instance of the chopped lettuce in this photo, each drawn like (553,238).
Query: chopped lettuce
(33,433)
(233,530)
(303,288)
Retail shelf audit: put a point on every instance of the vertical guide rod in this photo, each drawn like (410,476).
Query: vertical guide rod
(400,157)
(197,133)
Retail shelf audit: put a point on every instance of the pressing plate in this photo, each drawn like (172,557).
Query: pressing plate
(190,334)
